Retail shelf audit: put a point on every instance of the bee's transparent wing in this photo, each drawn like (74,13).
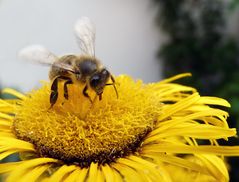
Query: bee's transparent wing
(64,66)
(85,33)
(37,54)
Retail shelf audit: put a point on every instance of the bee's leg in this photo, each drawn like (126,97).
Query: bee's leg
(54,91)
(100,96)
(113,80)
(67,82)
(86,94)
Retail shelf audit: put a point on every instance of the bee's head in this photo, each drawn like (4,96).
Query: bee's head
(98,80)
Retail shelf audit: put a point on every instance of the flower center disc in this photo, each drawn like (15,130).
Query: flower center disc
(78,131)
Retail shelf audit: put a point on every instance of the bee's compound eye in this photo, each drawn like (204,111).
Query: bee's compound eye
(105,72)
(95,80)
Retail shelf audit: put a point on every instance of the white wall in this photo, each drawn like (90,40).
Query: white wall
(126,36)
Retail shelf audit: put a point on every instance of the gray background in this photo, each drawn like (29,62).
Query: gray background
(126,36)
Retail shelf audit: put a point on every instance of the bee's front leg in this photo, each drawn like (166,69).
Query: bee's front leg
(67,82)
(54,89)
(113,80)
(86,94)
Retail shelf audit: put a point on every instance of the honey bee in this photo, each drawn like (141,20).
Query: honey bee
(84,68)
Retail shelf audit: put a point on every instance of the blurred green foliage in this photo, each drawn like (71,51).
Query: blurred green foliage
(198,43)
(234,4)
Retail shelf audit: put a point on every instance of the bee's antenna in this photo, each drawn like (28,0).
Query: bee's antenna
(116,92)
(113,80)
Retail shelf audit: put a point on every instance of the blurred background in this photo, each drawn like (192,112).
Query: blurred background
(203,39)
(127,38)
(148,39)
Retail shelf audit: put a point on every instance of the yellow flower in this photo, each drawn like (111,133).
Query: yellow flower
(152,132)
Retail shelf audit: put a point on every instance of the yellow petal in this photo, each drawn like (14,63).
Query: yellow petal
(154,169)
(199,131)
(5,123)
(79,175)
(171,79)
(7,167)
(100,176)
(214,101)
(6,116)
(61,173)
(4,103)
(215,165)
(109,175)
(73,176)
(128,174)
(186,149)
(149,170)
(93,172)
(34,173)
(14,93)
(27,166)
(82,174)
(6,109)
(182,104)
(162,126)
(177,161)
(16,144)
